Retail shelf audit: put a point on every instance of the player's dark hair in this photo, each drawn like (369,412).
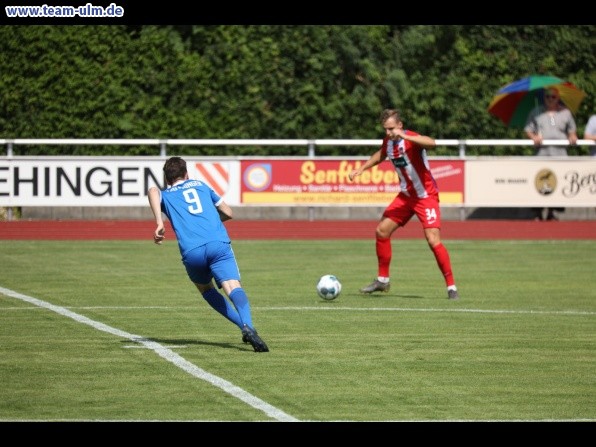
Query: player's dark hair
(390,113)
(174,169)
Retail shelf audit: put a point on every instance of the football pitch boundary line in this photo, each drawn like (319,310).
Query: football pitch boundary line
(356,309)
(165,353)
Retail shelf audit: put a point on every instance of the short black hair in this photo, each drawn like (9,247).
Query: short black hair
(174,168)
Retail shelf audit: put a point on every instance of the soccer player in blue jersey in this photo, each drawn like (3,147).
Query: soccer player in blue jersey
(196,213)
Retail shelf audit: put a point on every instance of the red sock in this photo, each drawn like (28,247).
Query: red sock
(442,257)
(384,255)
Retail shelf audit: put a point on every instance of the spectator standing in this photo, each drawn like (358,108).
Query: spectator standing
(551,121)
(590,133)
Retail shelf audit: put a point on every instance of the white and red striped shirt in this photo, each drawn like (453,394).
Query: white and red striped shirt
(411,163)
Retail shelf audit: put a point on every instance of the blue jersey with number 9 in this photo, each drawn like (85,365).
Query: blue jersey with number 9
(191,209)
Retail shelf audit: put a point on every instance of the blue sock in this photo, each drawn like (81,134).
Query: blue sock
(240,300)
(223,306)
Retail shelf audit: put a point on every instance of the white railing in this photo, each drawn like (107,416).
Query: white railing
(310,145)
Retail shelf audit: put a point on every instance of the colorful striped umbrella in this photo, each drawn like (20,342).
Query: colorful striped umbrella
(513,103)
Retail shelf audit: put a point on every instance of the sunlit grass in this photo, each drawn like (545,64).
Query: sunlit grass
(519,345)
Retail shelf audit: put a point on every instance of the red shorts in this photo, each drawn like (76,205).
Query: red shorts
(403,208)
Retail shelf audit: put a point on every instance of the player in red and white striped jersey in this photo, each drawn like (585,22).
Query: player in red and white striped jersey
(419,195)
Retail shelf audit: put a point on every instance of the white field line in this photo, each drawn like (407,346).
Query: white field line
(165,353)
(413,309)
(339,308)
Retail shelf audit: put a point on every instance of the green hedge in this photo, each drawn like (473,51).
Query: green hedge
(273,81)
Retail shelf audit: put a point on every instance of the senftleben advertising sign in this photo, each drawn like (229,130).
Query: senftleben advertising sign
(326,182)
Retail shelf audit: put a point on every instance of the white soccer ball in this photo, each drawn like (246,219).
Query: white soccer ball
(328,287)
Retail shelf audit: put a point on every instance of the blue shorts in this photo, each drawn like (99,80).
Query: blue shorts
(214,260)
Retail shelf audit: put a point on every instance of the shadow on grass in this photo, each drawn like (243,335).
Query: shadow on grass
(387,296)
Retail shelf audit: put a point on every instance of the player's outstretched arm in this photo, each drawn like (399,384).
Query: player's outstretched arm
(374,160)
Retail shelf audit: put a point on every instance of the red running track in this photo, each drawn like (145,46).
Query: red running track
(300,229)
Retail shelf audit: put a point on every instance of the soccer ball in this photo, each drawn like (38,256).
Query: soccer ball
(328,287)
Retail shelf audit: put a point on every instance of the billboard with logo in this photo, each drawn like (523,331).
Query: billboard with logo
(123,181)
(102,181)
(326,182)
(542,182)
